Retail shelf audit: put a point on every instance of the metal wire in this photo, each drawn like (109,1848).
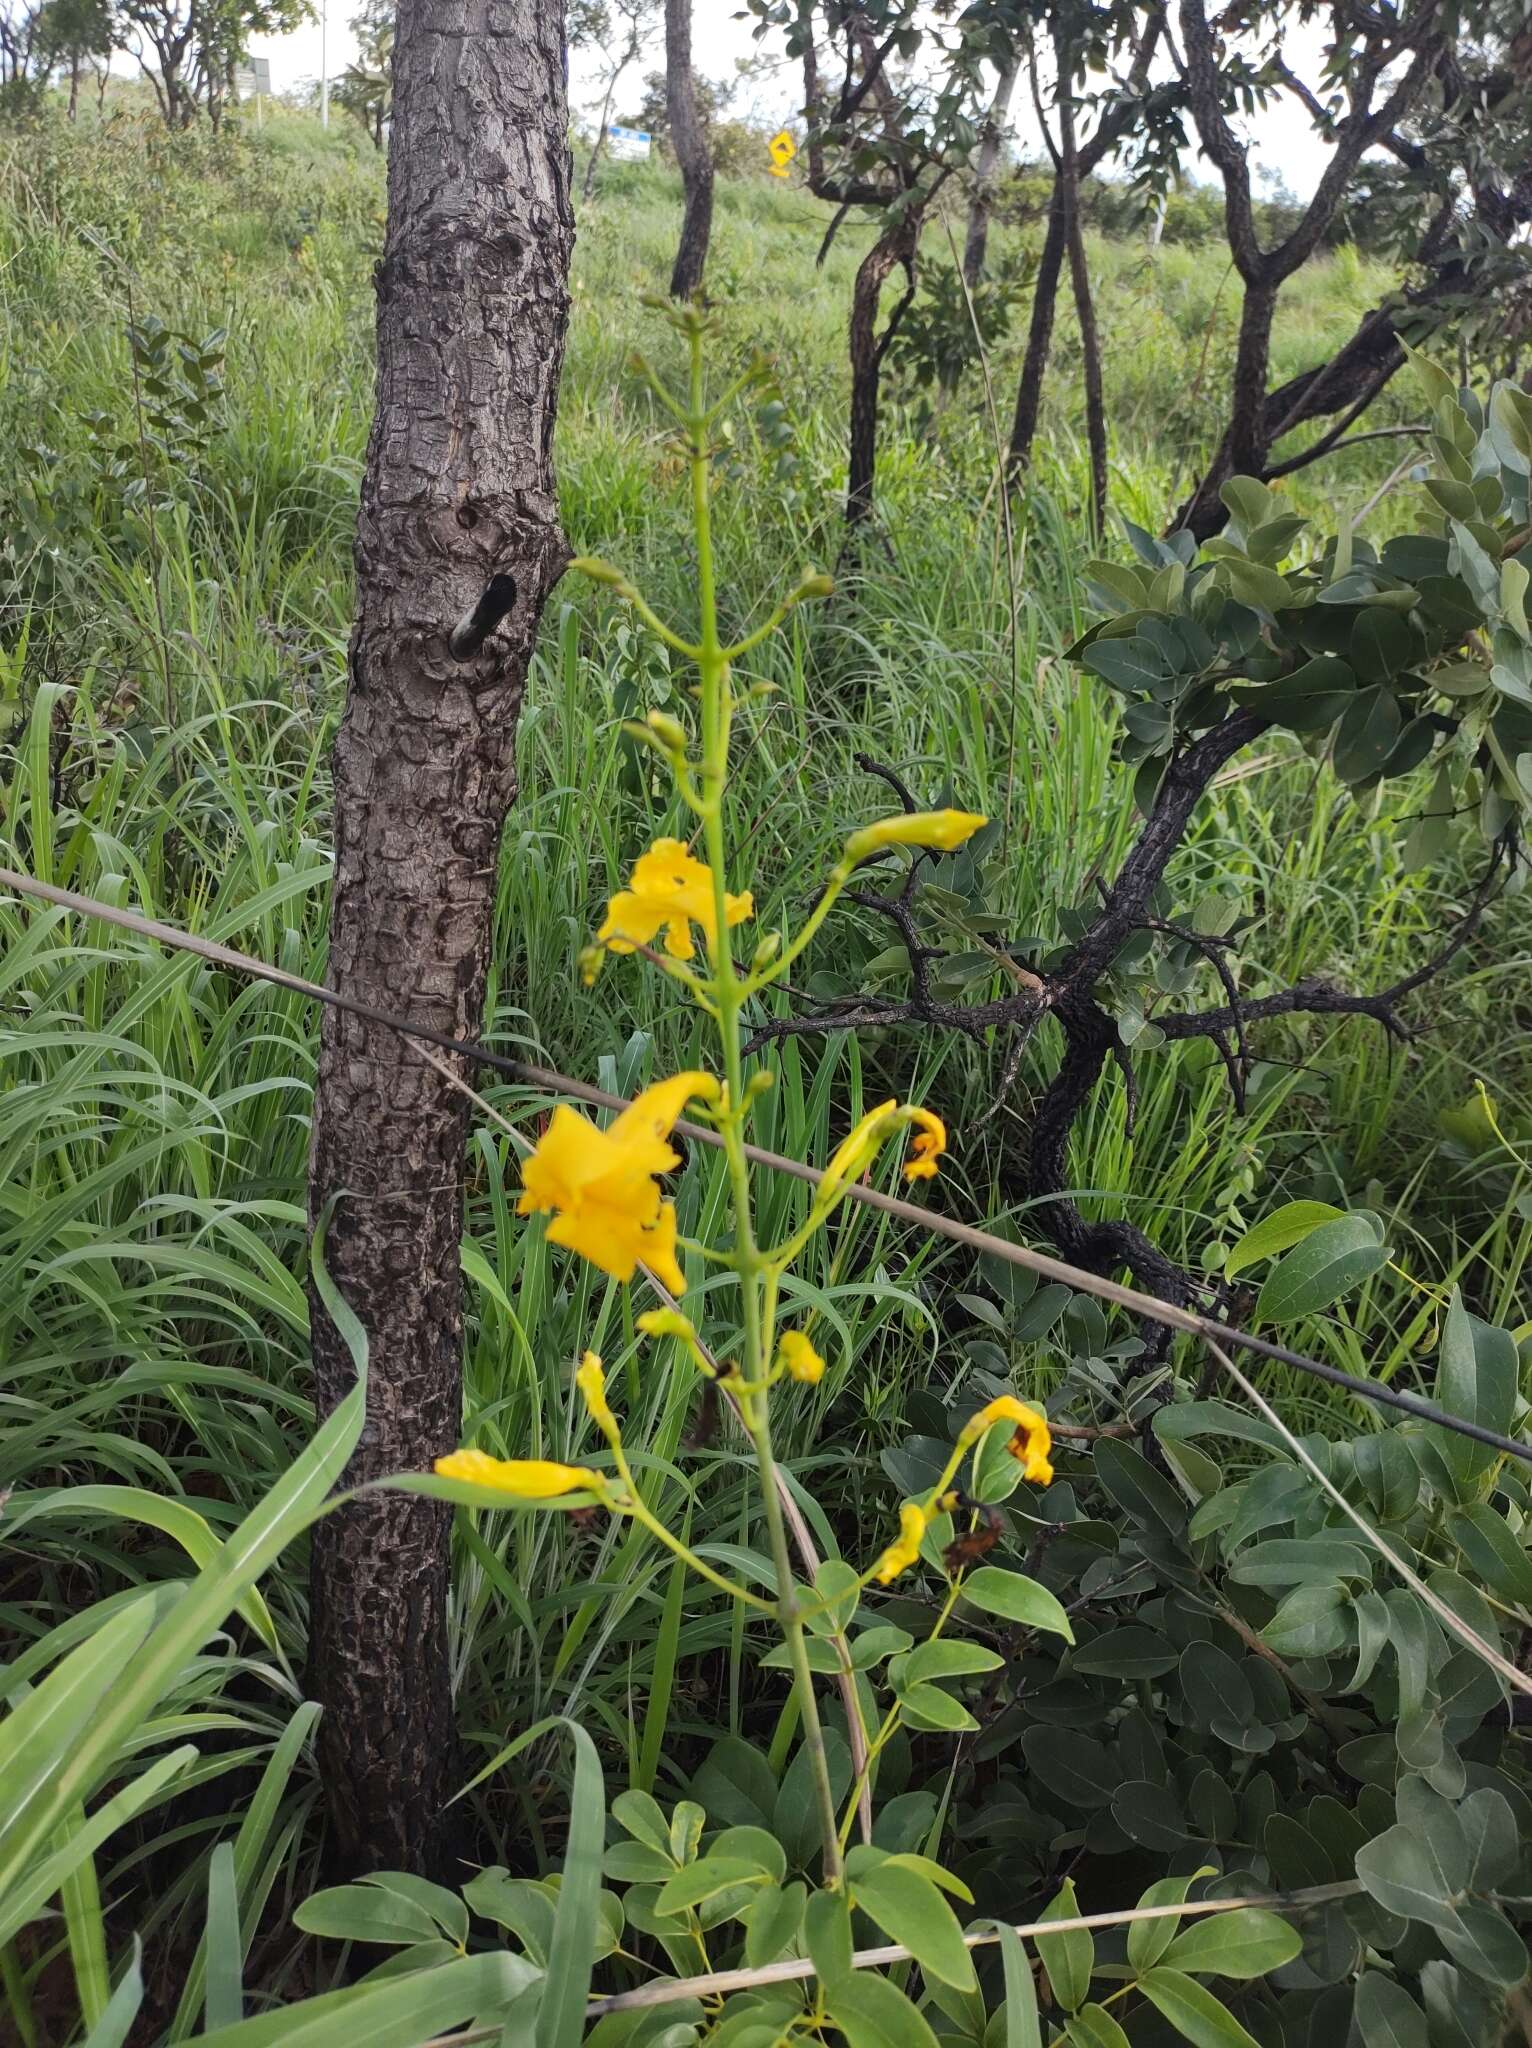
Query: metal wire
(1131,1298)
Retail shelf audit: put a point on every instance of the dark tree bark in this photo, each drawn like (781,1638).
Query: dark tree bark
(1379,95)
(893,250)
(1088,156)
(458,517)
(1034,367)
(1068,177)
(692,152)
(987,162)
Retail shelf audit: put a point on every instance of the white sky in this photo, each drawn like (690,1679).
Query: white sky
(1285,145)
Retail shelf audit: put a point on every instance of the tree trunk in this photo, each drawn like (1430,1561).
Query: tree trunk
(894,248)
(1085,306)
(985,164)
(1045,294)
(692,153)
(1247,440)
(74,83)
(458,516)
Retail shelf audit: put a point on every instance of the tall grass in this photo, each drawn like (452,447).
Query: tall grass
(174,695)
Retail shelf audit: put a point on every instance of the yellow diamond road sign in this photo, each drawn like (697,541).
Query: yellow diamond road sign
(781,149)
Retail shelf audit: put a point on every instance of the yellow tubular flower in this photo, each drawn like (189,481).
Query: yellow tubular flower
(860,1144)
(1031,1442)
(667,1322)
(802,1361)
(930,1143)
(522,1478)
(670,891)
(591,1380)
(943,830)
(600,1187)
(900,1555)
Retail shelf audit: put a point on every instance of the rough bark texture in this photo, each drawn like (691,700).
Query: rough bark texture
(458,497)
(1045,298)
(692,153)
(894,249)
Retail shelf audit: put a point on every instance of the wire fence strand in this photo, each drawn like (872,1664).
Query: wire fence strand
(1148,1306)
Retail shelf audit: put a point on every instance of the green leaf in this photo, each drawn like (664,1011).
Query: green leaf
(910,1909)
(1093,2027)
(111,2030)
(1368,733)
(1149,1939)
(1477,1378)
(1385,2014)
(705,1880)
(361,1912)
(1313,1621)
(944,1658)
(1500,1560)
(1193,2011)
(1251,502)
(1402,1871)
(872,2013)
(1328,1263)
(1278,1232)
(927,1706)
(827,1933)
(1068,1958)
(577,1914)
(1015,1597)
(772,1923)
(399,2012)
(1022,2027)
(1244,1943)
(1134,664)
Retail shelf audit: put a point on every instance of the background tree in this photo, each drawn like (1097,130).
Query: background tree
(620,31)
(70,35)
(1093,130)
(458,544)
(689,140)
(365,88)
(1445,95)
(986,164)
(19,24)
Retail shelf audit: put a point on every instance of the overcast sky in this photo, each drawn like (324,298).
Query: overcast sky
(1285,145)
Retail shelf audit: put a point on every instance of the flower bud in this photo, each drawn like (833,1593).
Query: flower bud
(766,952)
(598,571)
(669,731)
(943,830)
(815,584)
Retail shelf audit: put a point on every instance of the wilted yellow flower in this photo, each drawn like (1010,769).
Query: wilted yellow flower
(1031,1443)
(803,1362)
(930,1143)
(670,891)
(591,1380)
(943,830)
(901,1554)
(860,1143)
(525,1478)
(600,1185)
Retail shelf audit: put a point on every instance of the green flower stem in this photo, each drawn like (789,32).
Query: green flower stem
(640,1510)
(890,1722)
(713,670)
(764,976)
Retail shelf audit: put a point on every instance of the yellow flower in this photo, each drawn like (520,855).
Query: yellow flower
(942,829)
(802,1361)
(667,1322)
(1031,1443)
(525,1478)
(600,1186)
(900,1555)
(591,1380)
(930,1143)
(860,1144)
(670,891)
